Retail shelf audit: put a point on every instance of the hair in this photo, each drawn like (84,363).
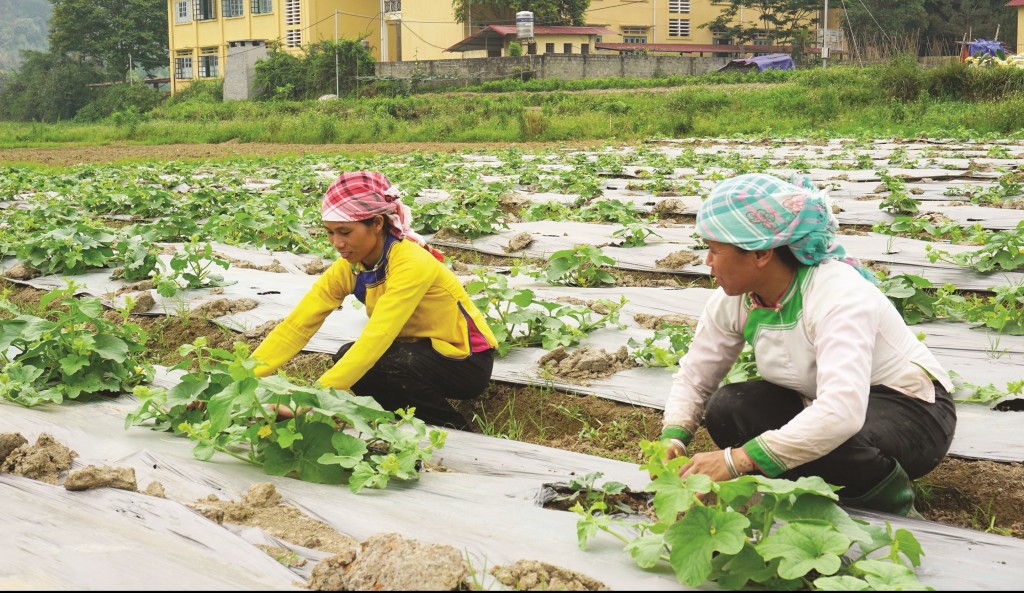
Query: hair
(786,256)
(384,219)
(783,253)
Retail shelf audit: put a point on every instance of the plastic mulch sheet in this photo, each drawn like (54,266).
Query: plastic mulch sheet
(485,504)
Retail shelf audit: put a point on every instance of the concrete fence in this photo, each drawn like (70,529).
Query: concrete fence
(562,67)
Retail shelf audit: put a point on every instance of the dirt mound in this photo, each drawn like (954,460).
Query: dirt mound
(47,460)
(648,321)
(678,259)
(584,364)
(274,266)
(532,575)
(22,272)
(519,242)
(221,307)
(262,507)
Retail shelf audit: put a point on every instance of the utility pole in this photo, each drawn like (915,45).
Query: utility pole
(824,38)
(337,75)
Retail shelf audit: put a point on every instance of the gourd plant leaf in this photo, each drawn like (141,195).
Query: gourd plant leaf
(303,457)
(675,494)
(647,549)
(887,576)
(804,547)
(110,347)
(349,451)
(698,536)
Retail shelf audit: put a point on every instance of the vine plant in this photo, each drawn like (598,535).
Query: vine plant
(68,348)
(334,435)
(519,319)
(755,532)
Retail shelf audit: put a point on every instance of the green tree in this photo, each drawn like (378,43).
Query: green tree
(113,33)
(950,20)
(47,87)
(885,17)
(503,12)
(779,21)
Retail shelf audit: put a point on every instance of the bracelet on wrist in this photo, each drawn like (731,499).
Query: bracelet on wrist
(729,464)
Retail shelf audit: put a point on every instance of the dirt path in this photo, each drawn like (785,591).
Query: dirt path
(118,153)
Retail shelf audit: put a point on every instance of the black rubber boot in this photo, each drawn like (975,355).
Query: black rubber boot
(894,494)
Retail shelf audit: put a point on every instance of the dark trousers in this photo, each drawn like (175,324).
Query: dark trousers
(897,428)
(413,374)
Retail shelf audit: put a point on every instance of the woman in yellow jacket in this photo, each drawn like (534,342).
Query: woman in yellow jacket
(425,341)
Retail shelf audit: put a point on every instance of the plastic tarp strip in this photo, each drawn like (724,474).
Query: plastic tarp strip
(485,504)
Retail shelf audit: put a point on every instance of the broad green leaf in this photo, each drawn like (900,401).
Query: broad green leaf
(302,458)
(674,495)
(647,549)
(734,572)
(909,546)
(814,506)
(841,583)
(72,363)
(888,576)
(696,538)
(349,451)
(111,348)
(804,547)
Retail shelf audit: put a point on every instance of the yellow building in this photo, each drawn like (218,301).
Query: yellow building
(1019,5)
(208,36)
(669,25)
(204,33)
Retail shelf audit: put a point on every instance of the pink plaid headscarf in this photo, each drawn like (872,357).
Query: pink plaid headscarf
(361,195)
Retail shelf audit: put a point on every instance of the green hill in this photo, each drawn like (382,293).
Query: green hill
(25,25)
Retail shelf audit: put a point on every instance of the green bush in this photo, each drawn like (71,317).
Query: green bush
(902,78)
(120,98)
(325,68)
(199,91)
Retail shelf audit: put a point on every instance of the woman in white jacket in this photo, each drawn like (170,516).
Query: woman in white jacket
(847,391)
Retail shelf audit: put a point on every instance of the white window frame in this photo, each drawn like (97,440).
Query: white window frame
(293,38)
(209,64)
(679,6)
(232,8)
(183,66)
(202,16)
(182,14)
(292,16)
(634,39)
(261,7)
(678,27)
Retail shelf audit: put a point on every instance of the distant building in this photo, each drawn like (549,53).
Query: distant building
(212,39)
(494,40)
(1019,5)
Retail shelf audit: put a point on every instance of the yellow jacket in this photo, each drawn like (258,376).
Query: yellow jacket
(410,295)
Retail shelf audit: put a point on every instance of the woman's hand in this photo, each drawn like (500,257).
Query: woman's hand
(719,465)
(284,412)
(711,464)
(676,448)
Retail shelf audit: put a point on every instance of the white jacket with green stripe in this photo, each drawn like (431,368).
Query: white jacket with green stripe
(833,336)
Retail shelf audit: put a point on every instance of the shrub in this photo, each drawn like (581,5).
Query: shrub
(902,78)
(123,98)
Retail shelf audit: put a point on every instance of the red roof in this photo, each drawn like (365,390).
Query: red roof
(1015,3)
(692,48)
(494,35)
(553,30)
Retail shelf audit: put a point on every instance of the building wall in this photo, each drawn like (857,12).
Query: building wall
(653,16)
(425,28)
(1020,29)
(558,66)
